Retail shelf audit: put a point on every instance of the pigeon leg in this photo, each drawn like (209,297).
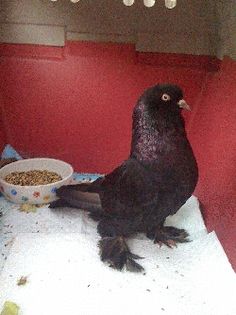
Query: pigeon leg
(168,235)
(113,247)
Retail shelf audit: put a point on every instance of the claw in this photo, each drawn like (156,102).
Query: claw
(134,256)
(168,243)
(169,236)
(171,243)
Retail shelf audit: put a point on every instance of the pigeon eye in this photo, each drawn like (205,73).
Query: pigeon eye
(165,97)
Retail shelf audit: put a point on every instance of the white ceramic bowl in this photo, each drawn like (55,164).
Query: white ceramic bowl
(35,194)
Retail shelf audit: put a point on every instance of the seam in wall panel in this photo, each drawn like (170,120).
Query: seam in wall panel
(27,51)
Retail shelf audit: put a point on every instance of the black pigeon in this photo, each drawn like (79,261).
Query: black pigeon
(153,183)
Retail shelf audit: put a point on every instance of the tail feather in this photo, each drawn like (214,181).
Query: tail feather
(72,196)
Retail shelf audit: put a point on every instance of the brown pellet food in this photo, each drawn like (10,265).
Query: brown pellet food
(32,178)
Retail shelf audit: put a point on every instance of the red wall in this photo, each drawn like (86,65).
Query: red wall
(212,132)
(75,103)
(2,132)
(2,138)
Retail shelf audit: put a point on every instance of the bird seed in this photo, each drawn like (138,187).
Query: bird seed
(32,178)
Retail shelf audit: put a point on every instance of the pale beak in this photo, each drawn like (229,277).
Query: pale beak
(184,105)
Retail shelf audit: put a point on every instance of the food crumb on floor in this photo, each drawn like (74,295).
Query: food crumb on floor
(22,281)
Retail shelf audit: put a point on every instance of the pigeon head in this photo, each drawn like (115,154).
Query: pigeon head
(165,98)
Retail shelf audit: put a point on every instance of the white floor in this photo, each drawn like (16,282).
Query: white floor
(57,251)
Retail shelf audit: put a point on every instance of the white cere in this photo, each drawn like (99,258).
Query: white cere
(165,97)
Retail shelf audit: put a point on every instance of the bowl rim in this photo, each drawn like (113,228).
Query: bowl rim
(37,186)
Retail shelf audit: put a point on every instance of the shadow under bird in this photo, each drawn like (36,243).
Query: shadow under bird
(158,177)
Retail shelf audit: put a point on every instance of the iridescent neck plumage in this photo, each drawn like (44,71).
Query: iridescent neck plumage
(151,137)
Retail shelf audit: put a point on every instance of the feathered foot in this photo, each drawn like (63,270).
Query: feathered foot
(169,236)
(115,251)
